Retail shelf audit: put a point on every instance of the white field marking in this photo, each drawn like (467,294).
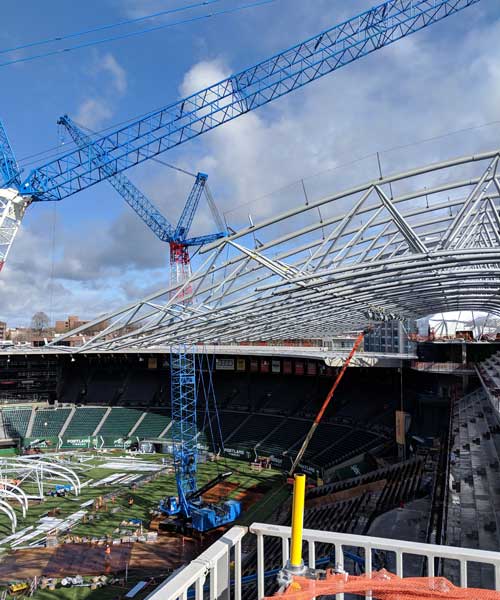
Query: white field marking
(131,466)
(109,479)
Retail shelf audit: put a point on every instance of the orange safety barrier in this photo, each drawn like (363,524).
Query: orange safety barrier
(383,586)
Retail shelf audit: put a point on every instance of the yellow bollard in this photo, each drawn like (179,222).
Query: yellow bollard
(299,495)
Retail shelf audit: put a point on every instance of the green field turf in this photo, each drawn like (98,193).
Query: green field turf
(146,499)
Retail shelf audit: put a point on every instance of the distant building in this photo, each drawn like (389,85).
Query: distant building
(391,336)
(342,343)
(20,334)
(3,330)
(72,322)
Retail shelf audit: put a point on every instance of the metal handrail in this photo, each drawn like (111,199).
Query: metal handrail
(212,569)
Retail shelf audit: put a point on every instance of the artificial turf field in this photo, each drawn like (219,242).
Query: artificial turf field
(145,498)
(259,492)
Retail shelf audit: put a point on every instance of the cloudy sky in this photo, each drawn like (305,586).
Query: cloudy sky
(432,96)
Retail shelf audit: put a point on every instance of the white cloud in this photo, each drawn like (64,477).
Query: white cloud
(108,82)
(419,88)
(93,112)
(110,66)
(202,75)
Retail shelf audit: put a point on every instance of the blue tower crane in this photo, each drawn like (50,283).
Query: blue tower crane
(180,264)
(188,504)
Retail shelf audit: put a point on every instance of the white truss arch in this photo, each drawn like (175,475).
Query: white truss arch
(39,471)
(5,493)
(408,245)
(6,508)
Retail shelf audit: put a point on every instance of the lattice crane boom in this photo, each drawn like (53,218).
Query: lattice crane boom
(209,108)
(180,267)
(236,95)
(138,201)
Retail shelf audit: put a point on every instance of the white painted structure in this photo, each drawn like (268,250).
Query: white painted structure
(212,568)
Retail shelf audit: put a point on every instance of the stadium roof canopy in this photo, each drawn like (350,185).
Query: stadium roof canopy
(402,246)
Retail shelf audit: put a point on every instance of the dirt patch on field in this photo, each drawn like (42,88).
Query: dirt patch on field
(69,559)
(170,552)
(247,497)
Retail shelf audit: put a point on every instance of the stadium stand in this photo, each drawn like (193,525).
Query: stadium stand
(346,506)
(48,422)
(119,421)
(474,501)
(15,421)
(104,386)
(256,428)
(286,436)
(84,421)
(230,423)
(141,388)
(151,426)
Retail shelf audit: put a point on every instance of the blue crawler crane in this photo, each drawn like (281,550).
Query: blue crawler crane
(188,506)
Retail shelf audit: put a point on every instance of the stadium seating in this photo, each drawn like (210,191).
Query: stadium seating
(229,422)
(475,468)
(48,422)
(120,421)
(103,387)
(254,431)
(15,421)
(72,389)
(84,421)
(289,433)
(354,513)
(151,426)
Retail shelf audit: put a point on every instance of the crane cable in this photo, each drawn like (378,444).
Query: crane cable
(136,33)
(69,36)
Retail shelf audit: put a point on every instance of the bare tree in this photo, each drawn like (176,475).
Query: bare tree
(39,322)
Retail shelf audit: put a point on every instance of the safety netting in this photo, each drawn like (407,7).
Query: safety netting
(382,585)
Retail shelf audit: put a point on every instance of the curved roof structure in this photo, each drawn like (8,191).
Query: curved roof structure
(404,246)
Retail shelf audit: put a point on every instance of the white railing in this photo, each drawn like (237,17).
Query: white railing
(211,569)
(214,564)
(370,544)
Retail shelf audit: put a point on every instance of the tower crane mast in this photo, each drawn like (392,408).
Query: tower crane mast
(12,204)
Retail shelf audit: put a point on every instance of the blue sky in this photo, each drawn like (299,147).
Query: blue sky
(90,253)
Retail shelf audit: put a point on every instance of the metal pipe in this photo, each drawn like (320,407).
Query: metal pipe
(299,496)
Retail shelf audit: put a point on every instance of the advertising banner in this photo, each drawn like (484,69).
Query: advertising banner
(224,364)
